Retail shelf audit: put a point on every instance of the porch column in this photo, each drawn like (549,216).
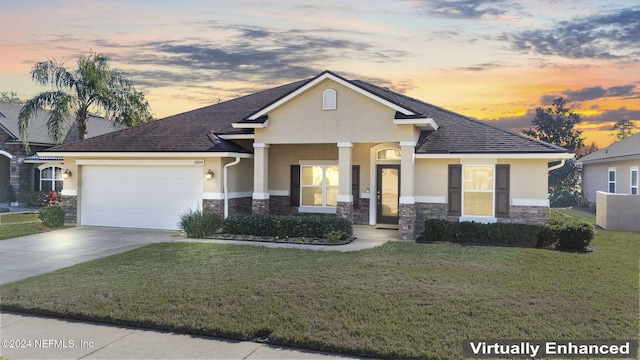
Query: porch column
(407,208)
(260,200)
(344,207)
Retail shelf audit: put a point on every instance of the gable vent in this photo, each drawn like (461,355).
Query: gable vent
(329,99)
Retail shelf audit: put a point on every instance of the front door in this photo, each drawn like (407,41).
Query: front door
(387,194)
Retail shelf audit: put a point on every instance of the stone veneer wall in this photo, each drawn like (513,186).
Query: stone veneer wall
(70,206)
(530,215)
(260,206)
(345,210)
(217,206)
(240,206)
(279,205)
(407,221)
(361,212)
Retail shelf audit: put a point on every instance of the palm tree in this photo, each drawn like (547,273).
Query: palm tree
(93,86)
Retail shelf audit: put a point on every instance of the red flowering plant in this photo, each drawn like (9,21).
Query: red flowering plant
(52,199)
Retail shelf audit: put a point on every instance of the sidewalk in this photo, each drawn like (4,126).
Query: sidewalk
(47,338)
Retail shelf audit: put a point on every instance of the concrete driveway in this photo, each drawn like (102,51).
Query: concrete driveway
(41,253)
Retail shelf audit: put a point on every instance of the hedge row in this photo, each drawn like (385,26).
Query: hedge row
(564,232)
(484,234)
(287,226)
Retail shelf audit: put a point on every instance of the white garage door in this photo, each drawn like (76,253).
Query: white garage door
(148,197)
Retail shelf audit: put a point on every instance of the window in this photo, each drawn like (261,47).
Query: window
(319,185)
(329,101)
(477,191)
(389,154)
(51,179)
(612,180)
(634,181)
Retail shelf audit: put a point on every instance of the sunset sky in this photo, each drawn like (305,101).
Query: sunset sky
(494,60)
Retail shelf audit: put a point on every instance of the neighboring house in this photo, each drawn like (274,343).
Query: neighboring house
(325,145)
(612,170)
(25,171)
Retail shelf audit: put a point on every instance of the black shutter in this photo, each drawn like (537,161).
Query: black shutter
(294,189)
(455,190)
(355,185)
(502,191)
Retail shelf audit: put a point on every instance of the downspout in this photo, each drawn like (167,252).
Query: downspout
(562,162)
(225,187)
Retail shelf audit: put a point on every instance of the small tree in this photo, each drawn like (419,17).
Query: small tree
(623,128)
(11,98)
(556,125)
(92,86)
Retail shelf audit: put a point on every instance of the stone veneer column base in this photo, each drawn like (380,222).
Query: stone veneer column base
(260,206)
(217,206)
(70,206)
(345,210)
(530,215)
(407,221)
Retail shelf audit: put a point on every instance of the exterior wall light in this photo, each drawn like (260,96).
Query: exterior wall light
(66,174)
(209,175)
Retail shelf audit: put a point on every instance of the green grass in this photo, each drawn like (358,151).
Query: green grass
(582,215)
(9,231)
(401,300)
(18,218)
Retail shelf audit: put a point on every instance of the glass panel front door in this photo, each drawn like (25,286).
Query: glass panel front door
(388,193)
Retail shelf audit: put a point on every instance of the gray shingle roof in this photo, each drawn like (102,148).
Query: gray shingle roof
(196,130)
(628,148)
(37,125)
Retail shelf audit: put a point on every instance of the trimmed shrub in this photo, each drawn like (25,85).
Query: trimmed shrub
(200,223)
(566,232)
(287,226)
(484,234)
(51,216)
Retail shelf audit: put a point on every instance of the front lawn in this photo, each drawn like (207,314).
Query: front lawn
(401,300)
(9,231)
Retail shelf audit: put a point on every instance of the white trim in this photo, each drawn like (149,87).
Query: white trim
(427,123)
(237,137)
(316,209)
(260,145)
(431,199)
(546,156)
(530,202)
(345,144)
(146,154)
(631,187)
(231,195)
(409,200)
(365,195)
(318,162)
(615,179)
(479,219)
(262,125)
(279,192)
(329,99)
(2,152)
(492,191)
(408,143)
(317,81)
(194,162)
(69,192)
(260,196)
(345,198)
(50,164)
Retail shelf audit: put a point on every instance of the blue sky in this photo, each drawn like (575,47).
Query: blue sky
(495,60)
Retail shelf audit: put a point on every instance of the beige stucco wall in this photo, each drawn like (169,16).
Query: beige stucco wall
(356,119)
(617,211)
(595,177)
(281,157)
(240,176)
(528,178)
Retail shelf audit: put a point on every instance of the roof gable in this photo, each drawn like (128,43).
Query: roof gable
(317,80)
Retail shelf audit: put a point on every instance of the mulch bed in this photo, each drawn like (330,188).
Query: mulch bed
(287,240)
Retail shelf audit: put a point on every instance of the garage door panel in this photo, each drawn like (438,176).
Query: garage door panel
(139,196)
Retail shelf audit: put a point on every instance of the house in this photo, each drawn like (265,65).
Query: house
(24,170)
(613,169)
(325,145)
(610,179)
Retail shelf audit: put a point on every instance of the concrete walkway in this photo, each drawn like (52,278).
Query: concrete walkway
(38,337)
